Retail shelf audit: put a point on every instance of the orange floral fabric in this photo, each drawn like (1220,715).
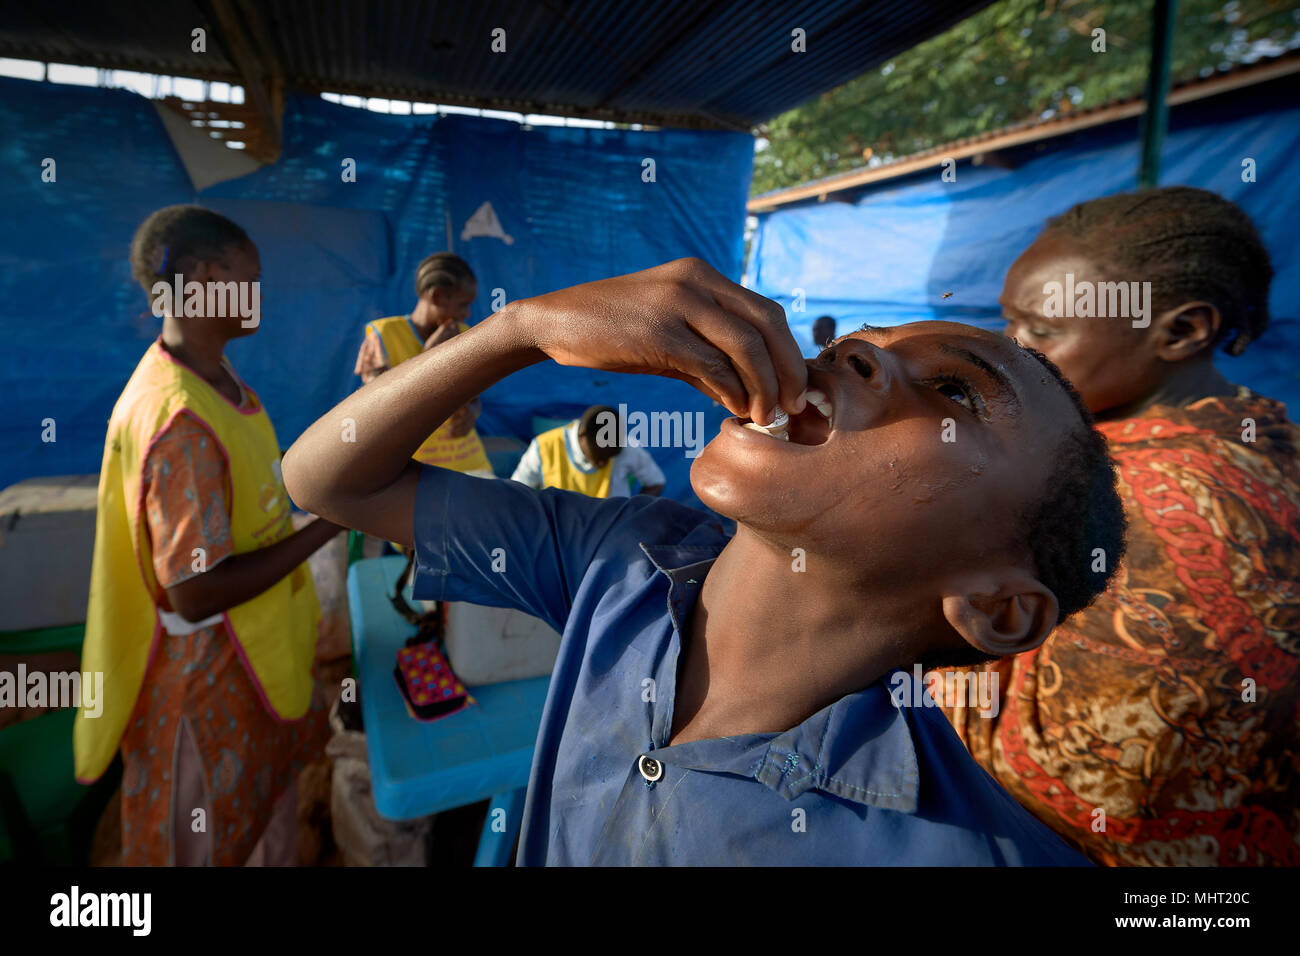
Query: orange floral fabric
(1158,727)
(249,757)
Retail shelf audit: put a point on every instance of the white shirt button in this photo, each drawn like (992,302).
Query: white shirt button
(650,768)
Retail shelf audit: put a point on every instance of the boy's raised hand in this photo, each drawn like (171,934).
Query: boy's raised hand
(683,320)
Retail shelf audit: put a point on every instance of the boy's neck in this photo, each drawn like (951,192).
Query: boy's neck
(766,646)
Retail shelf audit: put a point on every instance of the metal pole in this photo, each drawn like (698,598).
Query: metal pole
(1156,118)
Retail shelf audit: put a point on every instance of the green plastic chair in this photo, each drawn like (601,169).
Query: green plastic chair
(46,816)
(355,542)
(46,640)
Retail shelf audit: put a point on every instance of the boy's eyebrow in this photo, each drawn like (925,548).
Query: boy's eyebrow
(1013,309)
(1004,383)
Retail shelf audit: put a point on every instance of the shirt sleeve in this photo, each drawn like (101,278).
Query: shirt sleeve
(371,359)
(501,544)
(529,469)
(187,501)
(642,467)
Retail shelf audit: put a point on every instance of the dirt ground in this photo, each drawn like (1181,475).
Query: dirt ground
(453,843)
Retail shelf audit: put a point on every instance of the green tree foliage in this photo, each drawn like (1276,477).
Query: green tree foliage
(1015,61)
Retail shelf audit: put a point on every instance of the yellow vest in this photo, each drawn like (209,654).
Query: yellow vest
(559,471)
(441,448)
(274,633)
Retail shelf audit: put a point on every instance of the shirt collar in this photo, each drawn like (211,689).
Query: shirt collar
(859,748)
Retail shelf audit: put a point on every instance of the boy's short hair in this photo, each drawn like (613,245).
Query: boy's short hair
(1075,530)
(174,234)
(591,421)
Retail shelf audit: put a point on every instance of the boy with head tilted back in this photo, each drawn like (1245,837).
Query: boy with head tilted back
(726,700)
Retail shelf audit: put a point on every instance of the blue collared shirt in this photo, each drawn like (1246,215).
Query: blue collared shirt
(860,782)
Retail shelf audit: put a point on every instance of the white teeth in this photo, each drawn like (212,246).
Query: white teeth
(817,398)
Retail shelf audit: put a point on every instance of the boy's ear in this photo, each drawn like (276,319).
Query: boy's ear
(1002,614)
(1186,331)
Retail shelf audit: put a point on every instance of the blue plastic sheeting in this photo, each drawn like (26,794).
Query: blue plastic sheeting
(74,322)
(574,203)
(889,256)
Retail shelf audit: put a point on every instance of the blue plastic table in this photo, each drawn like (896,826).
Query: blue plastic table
(417,768)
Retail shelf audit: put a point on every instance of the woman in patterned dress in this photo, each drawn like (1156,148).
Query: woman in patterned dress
(1159,725)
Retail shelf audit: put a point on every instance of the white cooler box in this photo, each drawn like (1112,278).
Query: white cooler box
(488,645)
(47,540)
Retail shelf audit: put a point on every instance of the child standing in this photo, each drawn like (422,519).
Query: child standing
(202,612)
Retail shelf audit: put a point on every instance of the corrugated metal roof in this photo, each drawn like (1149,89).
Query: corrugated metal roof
(711,63)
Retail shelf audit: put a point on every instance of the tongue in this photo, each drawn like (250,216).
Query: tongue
(809,427)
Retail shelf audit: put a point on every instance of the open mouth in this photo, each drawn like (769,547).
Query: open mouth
(812,426)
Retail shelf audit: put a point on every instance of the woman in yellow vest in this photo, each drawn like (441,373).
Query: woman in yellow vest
(202,614)
(445,288)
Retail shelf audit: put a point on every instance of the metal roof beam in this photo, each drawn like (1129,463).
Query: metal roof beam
(267,97)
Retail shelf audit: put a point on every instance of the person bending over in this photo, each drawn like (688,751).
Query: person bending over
(584,456)
(727,701)
(1158,727)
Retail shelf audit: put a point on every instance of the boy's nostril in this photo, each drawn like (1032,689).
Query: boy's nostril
(860,365)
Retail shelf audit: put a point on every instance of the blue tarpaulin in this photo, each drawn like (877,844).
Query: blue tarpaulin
(575,203)
(889,255)
(575,207)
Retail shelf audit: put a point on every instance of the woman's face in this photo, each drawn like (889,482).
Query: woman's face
(240,264)
(1107,359)
(453,304)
